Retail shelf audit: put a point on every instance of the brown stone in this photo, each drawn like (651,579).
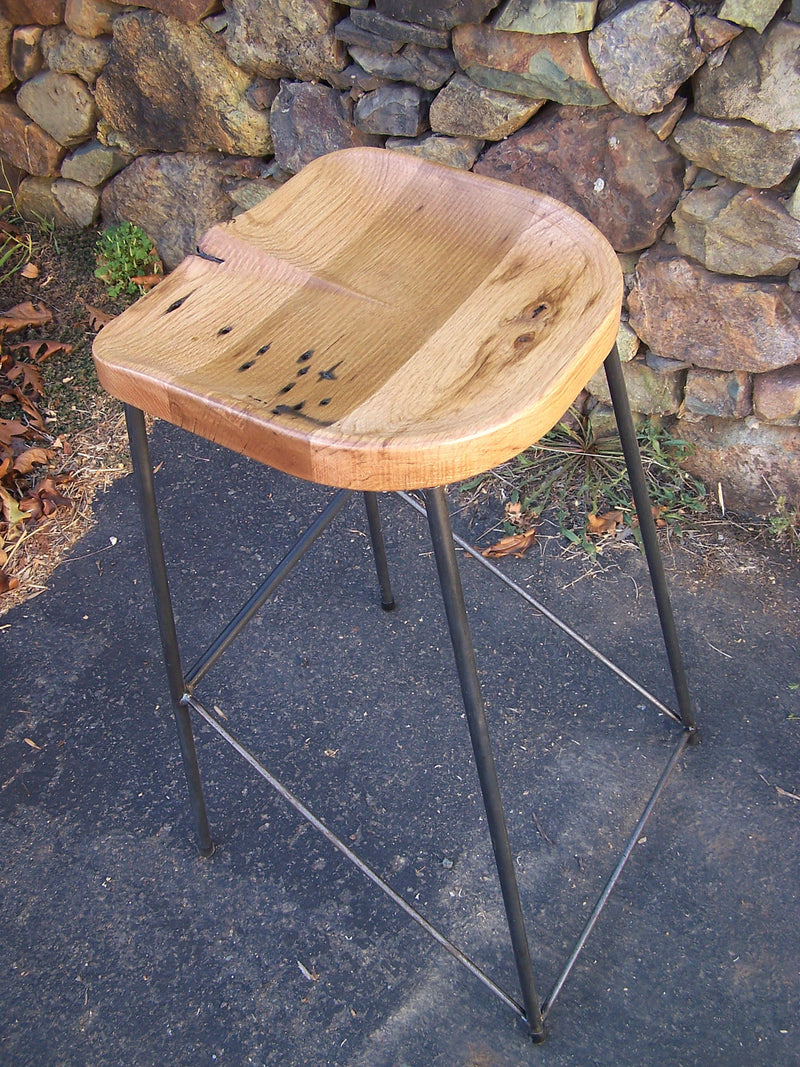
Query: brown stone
(26,52)
(724,394)
(552,67)
(404,32)
(62,104)
(776,394)
(168,87)
(69,53)
(664,122)
(459,152)
(644,53)
(758,80)
(753,463)
(687,313)
(737,230)
(738,150)
(26,145)
(443,15)
(600,161)
(713,33)
(396,110)
(6,66)
(429,68)
(465,109)
(34,12)
(310,120)
(279,38)
(185,10)
(90,18)
(175,198)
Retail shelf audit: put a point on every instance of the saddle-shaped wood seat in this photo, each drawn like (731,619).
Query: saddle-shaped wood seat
(379,322)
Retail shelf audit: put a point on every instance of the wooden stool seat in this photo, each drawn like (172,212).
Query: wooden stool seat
(379,322)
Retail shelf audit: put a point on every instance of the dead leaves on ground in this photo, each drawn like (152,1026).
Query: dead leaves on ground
(27,492)
(516,543)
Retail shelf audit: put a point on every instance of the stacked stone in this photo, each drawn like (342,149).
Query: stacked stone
(673,129)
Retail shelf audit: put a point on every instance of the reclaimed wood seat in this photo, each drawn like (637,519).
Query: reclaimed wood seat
(378,323)
(383,323)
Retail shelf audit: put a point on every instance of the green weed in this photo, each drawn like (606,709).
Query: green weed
(124,254)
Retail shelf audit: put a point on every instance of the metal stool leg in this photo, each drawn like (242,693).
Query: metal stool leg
(143,471)
(379,551)
(644,511)
(452,593)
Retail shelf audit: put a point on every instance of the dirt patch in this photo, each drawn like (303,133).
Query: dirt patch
(84,424)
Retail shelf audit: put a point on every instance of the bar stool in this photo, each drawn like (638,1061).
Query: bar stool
(381,323)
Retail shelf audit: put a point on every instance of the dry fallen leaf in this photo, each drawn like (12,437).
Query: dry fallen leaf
(514,545)
(41,350)
(7,583)
(33,744)
(98,318)
(597,525)
(22,315)
(25,461)
(30,271)
(147,281)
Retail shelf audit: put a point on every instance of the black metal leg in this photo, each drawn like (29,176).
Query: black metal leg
(143,471)
(644,511)
(452,593)
(379,551)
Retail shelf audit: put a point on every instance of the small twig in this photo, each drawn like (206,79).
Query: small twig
(541,830)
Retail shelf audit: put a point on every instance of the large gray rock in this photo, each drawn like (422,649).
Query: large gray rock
(69,53)
(402,32)
(758,80)
(544,16)
(465,109)
(61,104)
(686,313)
(81,204)
(93,164)
(752,462)
(168,87)
(738,150)
(755,13)
(644,53)
(441,15)
(737,230)
(175,198)
(652,390)
(279,38)
(311,120)
(553,67)
(396,110)
(458,152)
(602,162)
(429,68)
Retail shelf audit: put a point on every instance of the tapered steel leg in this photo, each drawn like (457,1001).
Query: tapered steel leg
(452,593)
(143,472)
(379,551)
(644,511)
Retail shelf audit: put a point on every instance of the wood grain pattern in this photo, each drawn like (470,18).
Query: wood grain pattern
(379,322)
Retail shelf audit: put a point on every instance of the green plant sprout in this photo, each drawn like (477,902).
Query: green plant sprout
(124,253)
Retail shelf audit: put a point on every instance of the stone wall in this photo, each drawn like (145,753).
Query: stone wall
(672,126)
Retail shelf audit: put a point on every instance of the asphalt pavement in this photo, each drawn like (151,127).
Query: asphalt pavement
(121,945)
